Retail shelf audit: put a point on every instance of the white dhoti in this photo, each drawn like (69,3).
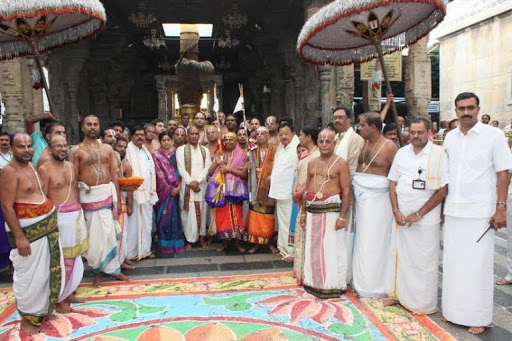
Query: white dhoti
(415,267)
(325,258)
(139,226)
(37,278)
(468,277)
(194,220)
(74,242)
(284,215)
(98,203)
(373,219)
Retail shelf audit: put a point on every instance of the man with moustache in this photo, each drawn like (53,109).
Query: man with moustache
(54,128)
(96,170)
(349,145)
(5,158)
(373,214)
(124,171)
(419,183)
(5,149)
(193,163)
(40,143)
(324,216)
(281,185)
(243,139)
(140,223)
(231,123)
(61,186)
(172,125)
(118,127)
(185,119)
(479,160)
(31,225)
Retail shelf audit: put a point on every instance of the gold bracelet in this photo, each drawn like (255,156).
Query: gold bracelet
(342,219)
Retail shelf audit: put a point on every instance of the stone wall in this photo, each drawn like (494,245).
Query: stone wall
(18,96)
(479,59)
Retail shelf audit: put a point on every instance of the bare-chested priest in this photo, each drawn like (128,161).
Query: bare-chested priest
(96,170)
(31,226)
(373,209)
(61,187)
(324,216)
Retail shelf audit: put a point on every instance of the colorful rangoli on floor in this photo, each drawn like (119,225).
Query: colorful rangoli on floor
(258,307)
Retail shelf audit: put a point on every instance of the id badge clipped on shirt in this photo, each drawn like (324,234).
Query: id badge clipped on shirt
(418,183)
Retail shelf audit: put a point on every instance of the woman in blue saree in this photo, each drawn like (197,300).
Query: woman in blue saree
(168,222)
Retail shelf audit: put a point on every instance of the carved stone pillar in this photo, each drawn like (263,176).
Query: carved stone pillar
(18,96)
(345,85)
(325,72)
(418,90)
(162,99)
(371,97)
(298,89)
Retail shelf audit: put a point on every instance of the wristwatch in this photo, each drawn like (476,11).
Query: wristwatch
(501,204)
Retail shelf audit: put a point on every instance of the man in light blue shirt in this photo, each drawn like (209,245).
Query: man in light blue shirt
(37,136)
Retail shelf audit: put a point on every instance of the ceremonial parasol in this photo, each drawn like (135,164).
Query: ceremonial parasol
(354,31)
(30,27)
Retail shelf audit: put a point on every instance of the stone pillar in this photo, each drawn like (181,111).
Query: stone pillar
(18,96)
(371,97)
(162,98)
(418,82)
(345,86)
(325,72)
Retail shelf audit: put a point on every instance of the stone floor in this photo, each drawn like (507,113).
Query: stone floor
(209,262)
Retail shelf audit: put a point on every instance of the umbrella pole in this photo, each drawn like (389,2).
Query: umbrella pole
(378,47)
(43,77)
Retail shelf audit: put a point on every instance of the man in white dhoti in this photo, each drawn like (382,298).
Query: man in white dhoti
(373,215)
(31,226)
(281,186)
(61,186)
(349,146)
(140,223)
(193,162)
(479,160)
(508,278)
(419,183)
(324,215)
(95,167)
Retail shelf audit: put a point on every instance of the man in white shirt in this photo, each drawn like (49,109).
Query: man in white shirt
(5,158)
(5,149)
(281,186)
(508,278)
(479,160)
(349,145)
(193,162)
(140,223)
(419,183)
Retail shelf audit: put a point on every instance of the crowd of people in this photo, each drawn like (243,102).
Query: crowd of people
(348,205)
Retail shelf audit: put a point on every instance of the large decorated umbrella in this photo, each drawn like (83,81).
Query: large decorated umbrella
(29,27)
(354,31)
